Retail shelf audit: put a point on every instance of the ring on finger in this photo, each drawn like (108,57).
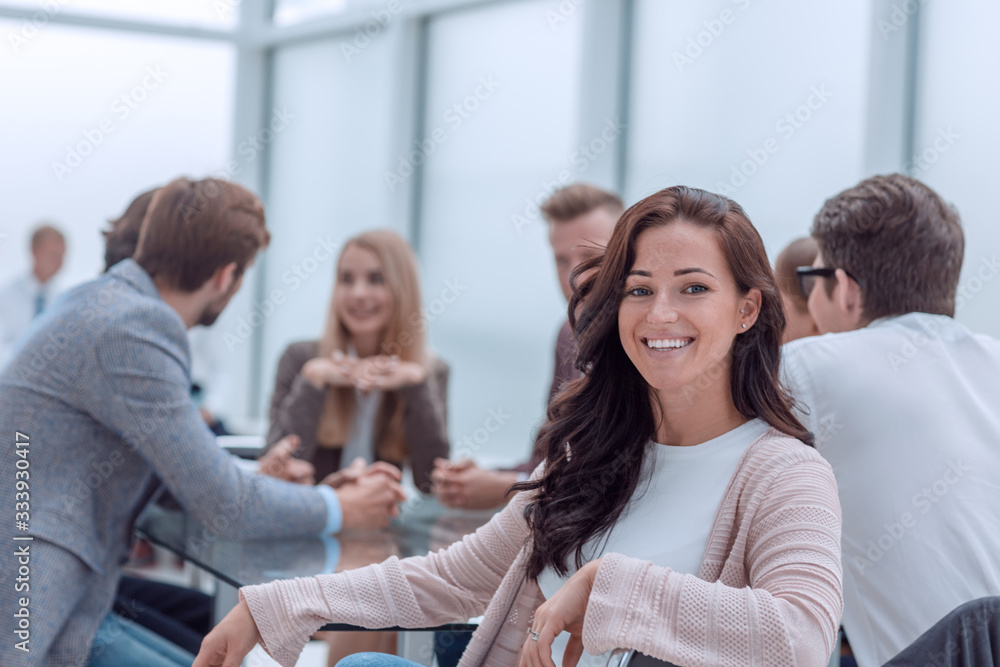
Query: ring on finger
(535,636)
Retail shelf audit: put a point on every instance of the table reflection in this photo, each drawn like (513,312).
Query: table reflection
(423,525)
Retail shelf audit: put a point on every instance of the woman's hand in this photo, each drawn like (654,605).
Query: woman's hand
(563,611)
(337,370)
(389,373)
(230,641)
(377,372)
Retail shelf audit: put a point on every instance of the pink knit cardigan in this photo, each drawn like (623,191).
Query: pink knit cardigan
(768,591)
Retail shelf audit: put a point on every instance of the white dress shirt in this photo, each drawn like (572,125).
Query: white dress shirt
(19,301)
(907,412)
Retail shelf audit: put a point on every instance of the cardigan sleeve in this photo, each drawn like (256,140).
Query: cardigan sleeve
(426,423)
(296,405)
(453,584)
(788,615)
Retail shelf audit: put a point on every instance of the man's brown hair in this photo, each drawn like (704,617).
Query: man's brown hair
(899,240)
(120,241)
(577,199)
(194,228)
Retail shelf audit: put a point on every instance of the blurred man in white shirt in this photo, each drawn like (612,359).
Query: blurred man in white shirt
(905,405)
(26,297)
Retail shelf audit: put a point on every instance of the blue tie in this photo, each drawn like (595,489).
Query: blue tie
(39,303)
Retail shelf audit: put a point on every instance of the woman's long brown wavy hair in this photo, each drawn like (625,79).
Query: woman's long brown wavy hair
(599,427)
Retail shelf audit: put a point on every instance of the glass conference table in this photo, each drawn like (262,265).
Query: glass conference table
(424,525)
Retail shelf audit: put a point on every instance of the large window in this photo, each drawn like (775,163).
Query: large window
(499,129)
(451,120)
(764,102)
(108,115)
(326,177)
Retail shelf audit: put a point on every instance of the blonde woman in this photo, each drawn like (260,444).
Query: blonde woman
(369,387)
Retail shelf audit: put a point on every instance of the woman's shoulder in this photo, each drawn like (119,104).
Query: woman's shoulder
(438,367)
(775,452)
(298,353)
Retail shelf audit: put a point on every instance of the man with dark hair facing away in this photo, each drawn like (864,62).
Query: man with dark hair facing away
(904,403)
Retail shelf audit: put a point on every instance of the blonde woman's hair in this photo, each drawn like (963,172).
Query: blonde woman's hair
(404,337)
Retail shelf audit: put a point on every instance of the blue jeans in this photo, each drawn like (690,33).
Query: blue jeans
(376,660)
(120,642)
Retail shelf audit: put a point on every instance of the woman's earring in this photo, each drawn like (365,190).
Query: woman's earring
(744,326)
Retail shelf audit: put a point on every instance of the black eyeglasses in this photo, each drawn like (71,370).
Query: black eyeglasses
(807,277)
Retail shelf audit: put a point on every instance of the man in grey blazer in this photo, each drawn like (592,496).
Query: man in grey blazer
(96,410)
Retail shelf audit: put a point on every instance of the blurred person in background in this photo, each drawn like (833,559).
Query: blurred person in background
(904,403)
(580,220)
(704,533)
(369,389)
(798,322)
(102,391)
(26,297)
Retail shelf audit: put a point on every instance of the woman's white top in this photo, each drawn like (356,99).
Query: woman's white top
(668,520)
(362,440)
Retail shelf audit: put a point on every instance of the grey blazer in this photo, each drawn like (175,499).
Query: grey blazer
(101,388)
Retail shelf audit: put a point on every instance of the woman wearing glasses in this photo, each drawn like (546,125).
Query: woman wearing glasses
(680,511)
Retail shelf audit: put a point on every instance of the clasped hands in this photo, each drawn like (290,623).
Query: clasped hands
(463,484)
(380,371)
(369,494)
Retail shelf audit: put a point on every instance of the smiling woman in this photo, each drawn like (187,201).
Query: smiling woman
(680,511)
(369,387)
